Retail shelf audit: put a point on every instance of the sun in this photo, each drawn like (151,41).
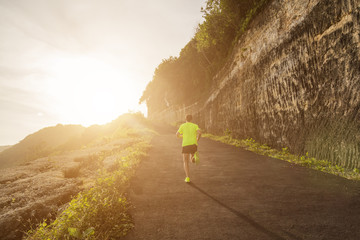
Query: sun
(88,91)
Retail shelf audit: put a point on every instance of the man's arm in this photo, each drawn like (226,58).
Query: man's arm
(198,134)
(179,135)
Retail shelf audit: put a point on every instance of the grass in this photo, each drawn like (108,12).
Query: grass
(284,154)
(100,212)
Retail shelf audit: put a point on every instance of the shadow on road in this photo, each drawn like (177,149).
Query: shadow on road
(253,223)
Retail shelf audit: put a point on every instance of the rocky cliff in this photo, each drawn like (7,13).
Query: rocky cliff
(293,81)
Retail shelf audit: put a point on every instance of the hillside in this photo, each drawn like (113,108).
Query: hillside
(39,144)
(62,138)
(2,148)
(41,188)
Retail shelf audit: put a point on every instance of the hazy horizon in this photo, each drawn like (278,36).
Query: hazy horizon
(84,62)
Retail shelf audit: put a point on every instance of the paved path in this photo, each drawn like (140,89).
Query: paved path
(236,194)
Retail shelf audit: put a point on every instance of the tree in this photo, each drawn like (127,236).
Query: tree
(179,81)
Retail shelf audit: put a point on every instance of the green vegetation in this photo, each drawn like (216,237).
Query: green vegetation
(284,154)
(203,57)
(100,212)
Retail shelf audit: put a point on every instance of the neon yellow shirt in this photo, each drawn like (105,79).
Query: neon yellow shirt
(189,132)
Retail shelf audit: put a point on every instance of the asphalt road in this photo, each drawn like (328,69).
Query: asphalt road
(237,194)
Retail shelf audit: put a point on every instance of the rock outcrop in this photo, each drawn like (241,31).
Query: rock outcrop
(293,81)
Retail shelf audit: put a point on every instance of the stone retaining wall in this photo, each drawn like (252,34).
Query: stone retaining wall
(294,81)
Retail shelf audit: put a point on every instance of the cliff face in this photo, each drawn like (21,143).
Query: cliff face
(294,81)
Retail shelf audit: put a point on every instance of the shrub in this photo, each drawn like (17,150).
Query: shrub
(101,211)
(307,161)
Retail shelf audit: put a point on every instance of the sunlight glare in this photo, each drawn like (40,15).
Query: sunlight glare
(88,91)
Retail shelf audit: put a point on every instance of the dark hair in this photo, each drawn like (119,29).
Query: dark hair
(188,117)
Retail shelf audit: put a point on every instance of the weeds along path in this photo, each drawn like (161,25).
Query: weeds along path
(237,194)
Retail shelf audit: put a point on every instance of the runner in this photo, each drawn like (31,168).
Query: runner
(190,133)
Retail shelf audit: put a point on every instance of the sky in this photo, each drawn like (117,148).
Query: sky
(83,61)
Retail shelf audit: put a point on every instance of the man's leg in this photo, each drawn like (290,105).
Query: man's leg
(192,156)
(186,157)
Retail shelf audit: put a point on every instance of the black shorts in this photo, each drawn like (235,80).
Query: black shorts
(189,149)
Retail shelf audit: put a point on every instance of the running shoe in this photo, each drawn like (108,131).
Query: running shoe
(196,157)
(187,179)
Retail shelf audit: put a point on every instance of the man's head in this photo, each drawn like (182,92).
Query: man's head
(188,118)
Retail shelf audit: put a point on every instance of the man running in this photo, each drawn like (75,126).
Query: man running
(190,133)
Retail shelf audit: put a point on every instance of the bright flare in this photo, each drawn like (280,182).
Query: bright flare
(88,91)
